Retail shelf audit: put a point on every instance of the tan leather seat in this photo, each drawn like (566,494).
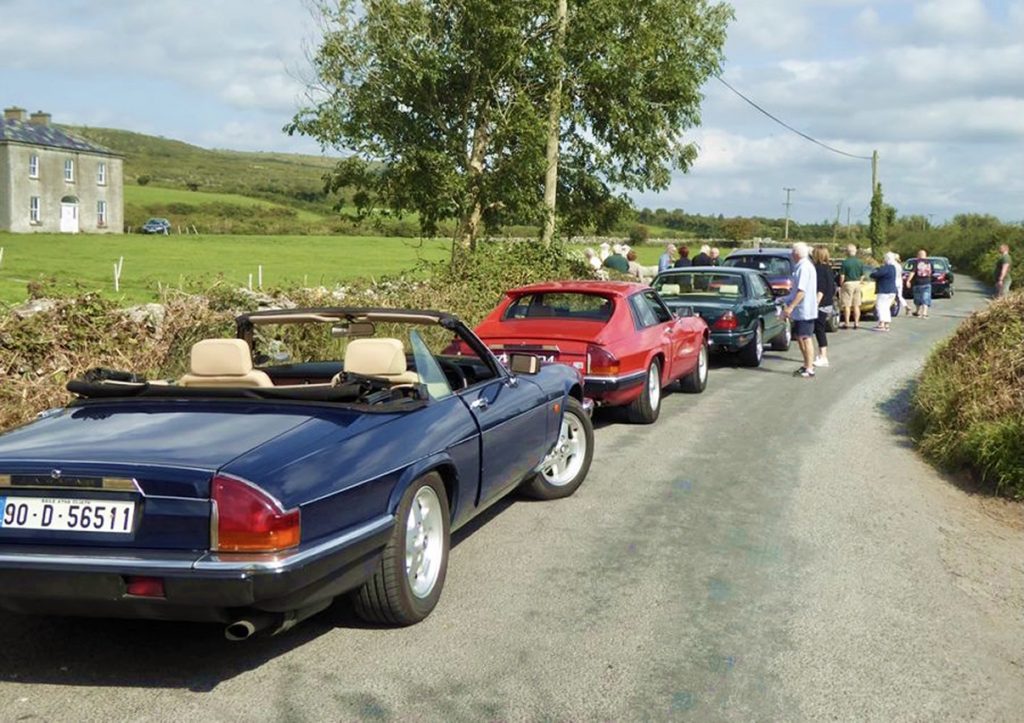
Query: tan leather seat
(384,358)
(223,363)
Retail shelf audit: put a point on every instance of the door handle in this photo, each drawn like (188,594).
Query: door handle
(479,404)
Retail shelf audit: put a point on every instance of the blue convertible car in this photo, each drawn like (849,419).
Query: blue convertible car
(321,452)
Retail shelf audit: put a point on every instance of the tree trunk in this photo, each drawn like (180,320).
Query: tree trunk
(554,127)
(469,226)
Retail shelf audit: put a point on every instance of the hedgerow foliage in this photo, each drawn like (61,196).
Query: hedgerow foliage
(41,353)
(969,406)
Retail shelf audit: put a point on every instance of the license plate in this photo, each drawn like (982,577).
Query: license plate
(65,515)
(545,358)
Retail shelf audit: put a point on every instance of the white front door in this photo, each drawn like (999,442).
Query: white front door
(69,218)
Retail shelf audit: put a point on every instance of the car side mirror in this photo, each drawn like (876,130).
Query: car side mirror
(523,364)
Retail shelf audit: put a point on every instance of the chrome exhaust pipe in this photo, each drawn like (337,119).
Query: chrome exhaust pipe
(245,628)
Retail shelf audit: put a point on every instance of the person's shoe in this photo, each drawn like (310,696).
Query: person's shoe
(820,362)
(804,372)
(843,326)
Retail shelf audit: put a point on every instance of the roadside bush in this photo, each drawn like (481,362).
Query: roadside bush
(969,405)
(639,235)
(40,353)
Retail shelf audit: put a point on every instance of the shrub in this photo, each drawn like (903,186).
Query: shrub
(142,180)
(969,405)
(639,234)
(42,352)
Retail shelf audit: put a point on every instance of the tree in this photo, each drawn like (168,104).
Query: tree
(876,225)
(443,107)
(740,229)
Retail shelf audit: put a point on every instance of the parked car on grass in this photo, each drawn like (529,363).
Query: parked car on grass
(737,304)
(254,495)
(621,336)
(156,225)
(942,277)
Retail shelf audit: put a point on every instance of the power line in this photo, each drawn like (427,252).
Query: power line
(789,127)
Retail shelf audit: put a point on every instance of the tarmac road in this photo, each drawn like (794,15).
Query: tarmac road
(771,549)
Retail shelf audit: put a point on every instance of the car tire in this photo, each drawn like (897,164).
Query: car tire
(646,408)
(565,468)
(784,340)
(397,594)
(697,380)
(752,354)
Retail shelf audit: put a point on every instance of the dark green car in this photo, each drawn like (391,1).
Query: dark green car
(737,304)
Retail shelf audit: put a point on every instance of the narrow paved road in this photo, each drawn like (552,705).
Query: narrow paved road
(772,549)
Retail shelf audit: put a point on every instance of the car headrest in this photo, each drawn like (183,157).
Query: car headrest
(220,357)
(375,357)
(670,289)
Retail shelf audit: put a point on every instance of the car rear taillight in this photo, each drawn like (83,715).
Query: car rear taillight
(726,322)
(139,586)
(247,519)
(601,361)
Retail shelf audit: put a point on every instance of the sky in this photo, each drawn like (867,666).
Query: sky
(935,86)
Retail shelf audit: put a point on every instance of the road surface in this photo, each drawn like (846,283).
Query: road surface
(772,549)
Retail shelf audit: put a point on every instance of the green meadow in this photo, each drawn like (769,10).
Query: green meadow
(86,262)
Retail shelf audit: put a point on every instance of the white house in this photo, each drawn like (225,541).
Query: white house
(51,180)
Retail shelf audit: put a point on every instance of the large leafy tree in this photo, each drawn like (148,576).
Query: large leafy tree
(447,107)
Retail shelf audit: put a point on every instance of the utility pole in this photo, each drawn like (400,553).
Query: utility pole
(874,171)
(787,204)
(835,226)
(847,222)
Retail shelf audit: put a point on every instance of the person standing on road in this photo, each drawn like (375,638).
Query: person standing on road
(715,253)
(617,261)
(826,298)
(684,258)
(704,257)
(920,283)
(635,269)
(887,287)
(801,305)
(1003,280)
(850,274)
(665,260)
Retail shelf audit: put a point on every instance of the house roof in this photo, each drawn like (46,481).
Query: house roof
(47,135)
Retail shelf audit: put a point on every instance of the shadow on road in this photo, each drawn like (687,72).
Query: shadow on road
(89,652)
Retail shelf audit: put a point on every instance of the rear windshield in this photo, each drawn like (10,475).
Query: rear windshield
(771,265)
(699,283)
(561,305)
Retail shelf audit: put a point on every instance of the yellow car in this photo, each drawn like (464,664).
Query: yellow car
(868,293)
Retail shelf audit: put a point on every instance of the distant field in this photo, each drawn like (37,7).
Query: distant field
(174,260)
(150,195)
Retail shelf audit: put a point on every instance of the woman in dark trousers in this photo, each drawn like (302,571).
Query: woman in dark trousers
(826,298)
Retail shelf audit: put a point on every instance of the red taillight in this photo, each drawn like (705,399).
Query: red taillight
(726,322)
(247,519)
(144,586)
(784,285)
(602,362)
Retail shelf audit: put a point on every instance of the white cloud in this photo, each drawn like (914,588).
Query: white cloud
(952,18)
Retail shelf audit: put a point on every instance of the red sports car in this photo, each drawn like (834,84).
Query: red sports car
(622,336)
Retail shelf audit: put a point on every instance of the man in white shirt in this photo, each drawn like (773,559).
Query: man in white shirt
(665,261)
(801,306)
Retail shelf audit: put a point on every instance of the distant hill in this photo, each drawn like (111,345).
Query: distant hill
(288,179)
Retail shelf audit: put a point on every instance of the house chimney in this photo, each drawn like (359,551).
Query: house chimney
(39,118)
(14,113)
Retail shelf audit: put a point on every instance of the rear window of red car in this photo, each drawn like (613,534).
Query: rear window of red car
(560,305)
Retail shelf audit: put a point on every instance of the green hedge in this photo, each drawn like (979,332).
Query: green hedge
(969,405)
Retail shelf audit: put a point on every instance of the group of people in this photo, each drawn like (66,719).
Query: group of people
(618,257)
(680,257)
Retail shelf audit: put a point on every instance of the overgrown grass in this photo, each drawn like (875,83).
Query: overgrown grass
(70,264)
(39,354)
(145,197)
(969,405)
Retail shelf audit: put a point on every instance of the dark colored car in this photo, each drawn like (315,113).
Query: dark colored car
(737,304)
(156,225)
(942,277)
(254,495)
(777,267)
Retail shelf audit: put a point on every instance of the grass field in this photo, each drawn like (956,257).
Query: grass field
(180,260)
(150,195)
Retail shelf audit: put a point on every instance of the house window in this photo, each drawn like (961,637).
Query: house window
(69,171)
(33,166)
(101,174)
(33,210)
(101,213)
